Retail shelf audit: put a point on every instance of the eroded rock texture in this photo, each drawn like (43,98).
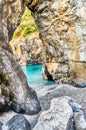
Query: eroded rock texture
(10,14)
(62,25)
(27,50)
(23,98)
(64,114)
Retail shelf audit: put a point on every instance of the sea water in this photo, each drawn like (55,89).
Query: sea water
(34,76)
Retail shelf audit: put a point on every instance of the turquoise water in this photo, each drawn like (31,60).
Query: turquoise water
(34,76)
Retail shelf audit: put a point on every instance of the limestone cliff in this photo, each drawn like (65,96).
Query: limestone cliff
(27,50)
(62,25)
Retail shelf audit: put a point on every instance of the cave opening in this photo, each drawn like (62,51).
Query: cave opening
(27,48)
(26,44)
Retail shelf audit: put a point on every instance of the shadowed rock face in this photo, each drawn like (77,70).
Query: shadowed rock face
(23,98)
(10,14)
(18,122)
(1,125)
(62,25)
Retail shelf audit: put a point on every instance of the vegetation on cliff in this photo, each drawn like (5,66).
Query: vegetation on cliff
(0,58)
(26,45)
(27,25)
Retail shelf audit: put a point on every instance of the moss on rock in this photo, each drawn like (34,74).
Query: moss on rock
(0,58)
(3,89)
(4,78)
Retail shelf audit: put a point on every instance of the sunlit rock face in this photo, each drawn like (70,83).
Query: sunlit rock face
(27,50)
(23,98)
(62,25)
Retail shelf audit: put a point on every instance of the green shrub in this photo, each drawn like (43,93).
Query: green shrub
(27,25)
(5,78)
(3,89)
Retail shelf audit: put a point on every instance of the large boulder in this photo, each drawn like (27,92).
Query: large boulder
(24,99)
(64,114)
(18,122)
(55,91)
(10,120)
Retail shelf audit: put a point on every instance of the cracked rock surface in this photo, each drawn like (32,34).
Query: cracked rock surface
(63,114)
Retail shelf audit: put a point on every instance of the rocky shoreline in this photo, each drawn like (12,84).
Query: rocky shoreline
(54,94)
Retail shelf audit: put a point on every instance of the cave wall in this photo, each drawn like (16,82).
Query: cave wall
(10,14)
(62,26)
